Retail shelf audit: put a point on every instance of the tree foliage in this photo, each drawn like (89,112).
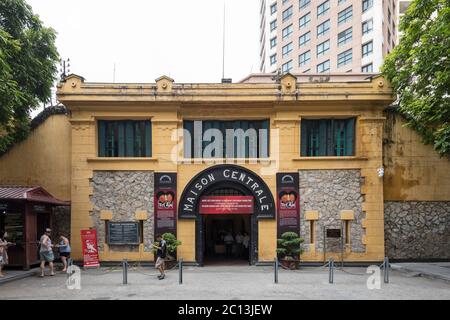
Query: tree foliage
(290,245)
(419,70)
(28,58)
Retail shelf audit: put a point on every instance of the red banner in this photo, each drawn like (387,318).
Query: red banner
(226,205)
(90,249)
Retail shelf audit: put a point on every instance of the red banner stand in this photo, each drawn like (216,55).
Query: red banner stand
(90,248)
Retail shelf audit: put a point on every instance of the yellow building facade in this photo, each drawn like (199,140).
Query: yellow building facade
(120,155)
(285,104)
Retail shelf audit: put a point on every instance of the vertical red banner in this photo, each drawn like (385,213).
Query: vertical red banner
(165,203)
(288,204)
(90,248)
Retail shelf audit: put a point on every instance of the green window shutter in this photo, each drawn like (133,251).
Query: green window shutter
(101,139)
(263,142)
(350,137)
(323,140)
(148,138)
(121,133)
(304,138)
(188,141)
(129,138)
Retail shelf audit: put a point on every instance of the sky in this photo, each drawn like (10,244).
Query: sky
(146,39)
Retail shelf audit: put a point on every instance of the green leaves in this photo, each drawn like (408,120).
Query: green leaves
(419,71)
(289,245)
(28,59)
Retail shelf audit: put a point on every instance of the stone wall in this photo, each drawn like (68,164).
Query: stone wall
(329,192)
(417,229)
(123,193)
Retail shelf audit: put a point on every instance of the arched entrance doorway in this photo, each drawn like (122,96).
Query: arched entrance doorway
(226,198)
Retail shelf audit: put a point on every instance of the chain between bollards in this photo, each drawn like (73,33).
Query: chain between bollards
(276,270)
(180,271)
(125,271)
(331,270)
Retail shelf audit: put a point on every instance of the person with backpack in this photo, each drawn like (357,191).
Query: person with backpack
(161,252)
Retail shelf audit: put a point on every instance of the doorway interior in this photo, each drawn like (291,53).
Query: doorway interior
(216,228)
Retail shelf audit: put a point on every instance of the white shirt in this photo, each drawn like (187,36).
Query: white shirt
(246,241)
(228,238)
(239,238)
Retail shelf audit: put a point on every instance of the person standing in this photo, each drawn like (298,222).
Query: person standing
(239,246)
(229,240)
(46,252)
(246,244)
(64,250)
(161,252)
(3,251)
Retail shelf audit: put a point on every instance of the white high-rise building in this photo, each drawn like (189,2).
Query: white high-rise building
(323,36)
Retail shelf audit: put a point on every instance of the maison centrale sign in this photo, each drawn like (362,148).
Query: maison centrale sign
(227,176)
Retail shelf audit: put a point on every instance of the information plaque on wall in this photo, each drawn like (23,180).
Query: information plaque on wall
(123,233)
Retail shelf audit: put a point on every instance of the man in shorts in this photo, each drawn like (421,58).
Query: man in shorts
(160,255)
(46,252)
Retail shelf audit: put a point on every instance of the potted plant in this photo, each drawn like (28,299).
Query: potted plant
(172,244)
(289,250)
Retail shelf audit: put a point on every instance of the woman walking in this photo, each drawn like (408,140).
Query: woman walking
(46,252)
(64,250)
(3,251)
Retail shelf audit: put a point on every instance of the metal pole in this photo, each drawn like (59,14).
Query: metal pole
(276,270)
(386,270)
(342,244)
(125,271)
(180,269)
(330,270)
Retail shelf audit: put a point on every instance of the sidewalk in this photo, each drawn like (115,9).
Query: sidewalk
(432,270)
(12,275)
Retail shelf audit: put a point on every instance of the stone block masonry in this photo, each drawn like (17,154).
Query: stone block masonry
(123,193)
(329,192)
(417,230)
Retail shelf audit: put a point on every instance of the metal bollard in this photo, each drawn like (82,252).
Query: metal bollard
(331,270)
(180,270)
(276,270)
(125,271)
(386,269)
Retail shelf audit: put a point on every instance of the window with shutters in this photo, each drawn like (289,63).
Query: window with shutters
(124,138)
(327,137)
(226,139)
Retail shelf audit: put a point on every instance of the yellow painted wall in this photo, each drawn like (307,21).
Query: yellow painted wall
(413,171)
(91,102)
(43,158)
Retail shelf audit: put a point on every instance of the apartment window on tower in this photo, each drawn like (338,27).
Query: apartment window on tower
(273,42)
(304,20)
(323,8)
(287,66)
(273,25)
(323,28)
(303,3)
(304,58)
(341,2)
(323,67)
(367,49)
(367,68)
(287,14)
(345,15)
(323,48)
(124,138)
(273,59)
(287,31)
(304,38)
(273,8)
(345,58)
(366,5)
(345,36)
(286,50)
(367,26)
(327,137)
